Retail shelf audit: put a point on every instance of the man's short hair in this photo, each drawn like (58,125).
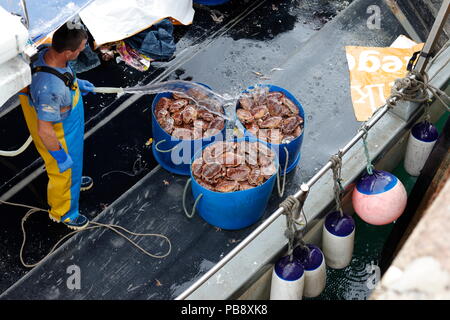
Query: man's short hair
(66,38)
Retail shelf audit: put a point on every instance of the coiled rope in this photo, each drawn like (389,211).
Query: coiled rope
(95,225)
(415,89)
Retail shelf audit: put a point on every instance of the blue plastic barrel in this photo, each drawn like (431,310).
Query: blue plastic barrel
(174,154)
(211,2)
(233,210)
(292,147)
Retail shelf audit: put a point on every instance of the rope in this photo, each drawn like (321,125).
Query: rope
(292,207)
(138,168)
(95,225)
(336,161)
(283,185)
(18,151)
(416,90)
(369,166)
(190,215)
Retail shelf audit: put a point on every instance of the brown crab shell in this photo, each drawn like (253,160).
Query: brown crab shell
(292,107)
(178,104)
(218,123)
(239,173)
(162,115)
(255,178)
(178,118)
(183,133)
(205,115)
(163,104)
(275,136)
(211,170)
(230,159)
(270,123)
(289,124)
(275,107)
(167,125)
(197,167)
(205,184)
(246,103)
(227,186)
(189,114)
(268,171)
(245,186)
(260,112)
(245,116)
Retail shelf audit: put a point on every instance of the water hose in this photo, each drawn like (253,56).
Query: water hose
(108,90)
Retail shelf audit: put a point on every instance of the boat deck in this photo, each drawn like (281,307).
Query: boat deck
(253,39)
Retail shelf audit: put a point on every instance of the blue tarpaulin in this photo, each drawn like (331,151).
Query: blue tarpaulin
(45,16)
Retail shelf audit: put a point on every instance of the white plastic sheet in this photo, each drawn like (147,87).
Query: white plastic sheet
(113,20)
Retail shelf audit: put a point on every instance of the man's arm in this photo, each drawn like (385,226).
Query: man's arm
(48,135)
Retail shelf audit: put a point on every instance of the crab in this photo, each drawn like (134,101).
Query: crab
(239,173)
(255,178)
(245,116)
(234,166)
(182,133)
(246,102)
(163,104)
(178,104)
(260,112)
(268,171)
(211,171)
(189,114)
(167,125)
(184,120)
(270,123)
(205,115)
(289,124)
(292,107)
(270,116)
(227,186)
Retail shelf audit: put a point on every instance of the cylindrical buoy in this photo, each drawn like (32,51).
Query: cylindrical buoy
(288,279)
(338,238)
(379,198)
(421,141)
(313,262)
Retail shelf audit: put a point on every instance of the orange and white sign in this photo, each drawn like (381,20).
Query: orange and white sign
(373,71)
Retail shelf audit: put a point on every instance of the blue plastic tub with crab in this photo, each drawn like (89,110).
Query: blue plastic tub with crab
(175,154)
(232,210)
(286,151)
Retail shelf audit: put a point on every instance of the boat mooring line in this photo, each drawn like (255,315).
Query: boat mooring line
(132,99)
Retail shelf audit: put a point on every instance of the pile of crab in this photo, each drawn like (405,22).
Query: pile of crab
(270,116)
(234,166)
(183,119)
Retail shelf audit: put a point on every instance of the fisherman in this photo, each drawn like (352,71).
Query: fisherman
(53,109)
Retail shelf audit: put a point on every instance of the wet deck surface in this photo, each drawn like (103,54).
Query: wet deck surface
(225,56)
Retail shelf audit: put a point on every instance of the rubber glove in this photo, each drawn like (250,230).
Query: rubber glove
(63,159)
(85,87)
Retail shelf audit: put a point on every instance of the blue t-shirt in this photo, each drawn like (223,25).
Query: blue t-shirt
(49,93)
